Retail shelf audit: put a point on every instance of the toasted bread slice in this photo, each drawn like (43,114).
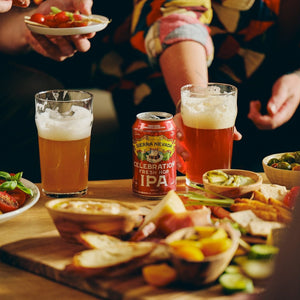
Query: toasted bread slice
(112,257)
(102,258)
(94,240)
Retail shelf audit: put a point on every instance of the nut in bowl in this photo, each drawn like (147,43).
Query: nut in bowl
(231,183)
(201,254)
(280,169)
(72,216)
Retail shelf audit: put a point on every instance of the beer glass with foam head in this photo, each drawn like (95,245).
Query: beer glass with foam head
(64,121)
(208,115)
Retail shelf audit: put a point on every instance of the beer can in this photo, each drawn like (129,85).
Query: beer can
(154,154)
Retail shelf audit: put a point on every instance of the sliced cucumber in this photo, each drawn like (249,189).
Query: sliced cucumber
(258,269)
(236,282)
(232,269)
(262,251)
(239,260)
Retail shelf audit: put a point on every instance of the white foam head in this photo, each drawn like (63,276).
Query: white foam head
(209,111)
(53,125)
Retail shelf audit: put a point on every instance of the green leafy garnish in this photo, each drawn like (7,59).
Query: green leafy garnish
(13,181)
(201,199)
(55,10)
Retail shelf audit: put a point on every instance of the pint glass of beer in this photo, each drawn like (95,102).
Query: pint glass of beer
(64,121)
(208,115)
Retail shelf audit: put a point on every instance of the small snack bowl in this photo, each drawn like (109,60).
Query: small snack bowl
(74,215)
(232,183)
(201,254)
(276,175)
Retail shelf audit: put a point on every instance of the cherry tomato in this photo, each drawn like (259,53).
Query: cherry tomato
(49,21)
(38,18)
(61,17)
(8,202)
(77,17)
(292,196)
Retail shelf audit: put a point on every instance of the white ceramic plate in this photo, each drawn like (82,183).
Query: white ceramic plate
(29,202)
(93,27)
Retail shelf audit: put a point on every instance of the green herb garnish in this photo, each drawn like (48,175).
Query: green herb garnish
(13,181)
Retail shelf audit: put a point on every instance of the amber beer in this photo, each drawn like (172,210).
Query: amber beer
(69,161)
(64,130)
(208,116)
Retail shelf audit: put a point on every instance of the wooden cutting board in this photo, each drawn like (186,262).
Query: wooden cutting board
(48,254)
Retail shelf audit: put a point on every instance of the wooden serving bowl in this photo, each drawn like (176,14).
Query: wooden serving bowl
(73,215)
(234,191)
(199,273)
(287,178)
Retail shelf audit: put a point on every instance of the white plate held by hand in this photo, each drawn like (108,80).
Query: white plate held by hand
(98,24)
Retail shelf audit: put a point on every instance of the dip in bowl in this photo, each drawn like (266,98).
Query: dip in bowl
(111,217)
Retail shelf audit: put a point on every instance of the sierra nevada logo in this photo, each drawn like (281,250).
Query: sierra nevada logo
(154,148)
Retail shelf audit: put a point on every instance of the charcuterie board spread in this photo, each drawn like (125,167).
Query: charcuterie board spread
(184,246)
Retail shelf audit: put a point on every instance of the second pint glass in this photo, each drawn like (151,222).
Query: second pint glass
(208,115)
(64,121)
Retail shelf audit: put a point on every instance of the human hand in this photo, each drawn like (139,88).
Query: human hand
(6,5)
(282,105)
(61,47)
(182,152)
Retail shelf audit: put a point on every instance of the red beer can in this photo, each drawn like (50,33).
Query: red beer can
(154,154)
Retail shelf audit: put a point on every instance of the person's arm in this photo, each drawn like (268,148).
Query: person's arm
(183,63)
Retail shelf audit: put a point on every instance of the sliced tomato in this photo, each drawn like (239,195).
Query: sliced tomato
(19,195)
(292,196)
(8,202)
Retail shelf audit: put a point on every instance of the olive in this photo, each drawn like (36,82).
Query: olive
(273,161)
(297,157)
(284,165)
(288,157)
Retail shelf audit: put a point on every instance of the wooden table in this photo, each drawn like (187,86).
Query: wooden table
(16,283)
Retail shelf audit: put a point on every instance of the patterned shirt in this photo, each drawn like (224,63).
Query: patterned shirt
(237,35)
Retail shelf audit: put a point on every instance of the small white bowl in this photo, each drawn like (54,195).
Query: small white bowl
(287,178)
